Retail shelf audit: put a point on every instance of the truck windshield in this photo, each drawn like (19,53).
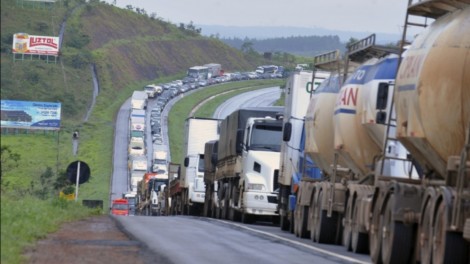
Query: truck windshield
(266,137)
(120,206)
(159,183)
(131,200)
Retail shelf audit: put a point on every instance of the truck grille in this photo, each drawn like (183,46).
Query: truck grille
(272,199)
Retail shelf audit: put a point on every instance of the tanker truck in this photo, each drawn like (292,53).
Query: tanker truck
(428,220)
(346,131)
(248,164)
(291,167)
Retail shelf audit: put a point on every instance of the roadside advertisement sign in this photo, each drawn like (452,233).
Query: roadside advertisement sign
(24,43)
(30,115)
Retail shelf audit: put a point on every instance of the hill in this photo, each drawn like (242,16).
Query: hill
(127,48)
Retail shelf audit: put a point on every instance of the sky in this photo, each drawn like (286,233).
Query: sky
(385,16)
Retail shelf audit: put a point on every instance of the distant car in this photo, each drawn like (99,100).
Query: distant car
(157,139)
(202,83)
(166,86)
(136,148)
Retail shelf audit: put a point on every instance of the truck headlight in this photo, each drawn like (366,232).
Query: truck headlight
(256,187)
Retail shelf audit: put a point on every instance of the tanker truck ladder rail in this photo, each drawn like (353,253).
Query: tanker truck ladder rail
(392,123)
(463,169)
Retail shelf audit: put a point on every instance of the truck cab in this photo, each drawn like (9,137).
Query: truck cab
(260,161)
(195,166)
(120,207)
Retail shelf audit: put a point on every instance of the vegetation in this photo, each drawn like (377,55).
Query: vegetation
(307,46)
(128,50)
(25,218)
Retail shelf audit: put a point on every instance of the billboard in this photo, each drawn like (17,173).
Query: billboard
(36,45)
(30,115)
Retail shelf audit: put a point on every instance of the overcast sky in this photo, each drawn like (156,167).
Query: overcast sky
(385,16)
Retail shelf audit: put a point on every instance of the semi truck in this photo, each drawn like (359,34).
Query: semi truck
(150,194)
(160,160)
(297,96)
(191,183)
(248,164)
(137,168)
(428,220)
(137,120)
(397,182)
(214,70)
(139,100)
(210,166)
(120,207)
(174,205)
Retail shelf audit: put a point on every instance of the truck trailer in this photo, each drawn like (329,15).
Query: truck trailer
(293,161)
(191,183)
(139,100)
(393,153)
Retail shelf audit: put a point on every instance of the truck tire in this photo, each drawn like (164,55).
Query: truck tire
(247,218)
(347,225)
(303,222)
(425,234)
(449,247)
(359,240)
(326,227)
(397,242)
(375,234)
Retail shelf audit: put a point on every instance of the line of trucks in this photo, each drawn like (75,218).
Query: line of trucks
(146,183)
(371,150)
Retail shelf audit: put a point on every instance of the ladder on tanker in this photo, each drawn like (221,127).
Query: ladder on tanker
(423,10)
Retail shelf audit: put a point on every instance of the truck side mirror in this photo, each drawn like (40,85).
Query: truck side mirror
(382,96)
(287,132)
(186,162)
(381,117)
(214,159)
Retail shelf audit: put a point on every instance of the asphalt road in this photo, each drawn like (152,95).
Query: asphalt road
(186,239)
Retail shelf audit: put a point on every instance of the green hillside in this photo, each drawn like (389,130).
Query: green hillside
(128,50)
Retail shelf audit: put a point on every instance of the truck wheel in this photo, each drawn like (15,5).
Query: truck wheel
(449,247)
(297,220)
(326,227)
(303,222)
(359,240)
(347,225)
(425,235)
(397,238)
(375,234)
(247,218)
(283,222)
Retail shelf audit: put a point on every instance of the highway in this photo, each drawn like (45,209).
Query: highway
(189,239)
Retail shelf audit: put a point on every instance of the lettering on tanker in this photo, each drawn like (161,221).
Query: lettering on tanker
(411,66)
(347,100)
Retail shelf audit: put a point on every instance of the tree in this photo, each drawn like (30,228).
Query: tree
(247,46)
(351,41)
(9,160)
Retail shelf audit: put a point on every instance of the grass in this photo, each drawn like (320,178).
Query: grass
(25,219)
